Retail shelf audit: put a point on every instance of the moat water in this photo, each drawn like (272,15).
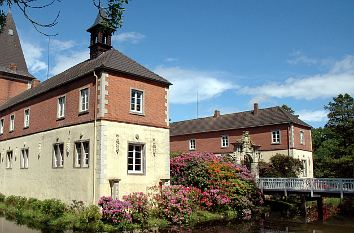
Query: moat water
(338,225)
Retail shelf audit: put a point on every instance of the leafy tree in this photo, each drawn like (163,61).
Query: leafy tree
(333,144)
(288,109)
(114,10)
(280,166)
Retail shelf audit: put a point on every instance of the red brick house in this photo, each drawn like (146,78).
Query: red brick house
(274,130)
(99,128)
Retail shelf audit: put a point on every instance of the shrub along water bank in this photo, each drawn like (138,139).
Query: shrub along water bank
(205,188)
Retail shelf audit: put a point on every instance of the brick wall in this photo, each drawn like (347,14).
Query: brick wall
(211,141)
(43,110)
(118,105)
(10,87)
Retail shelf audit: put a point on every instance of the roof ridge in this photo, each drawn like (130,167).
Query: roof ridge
(286,113)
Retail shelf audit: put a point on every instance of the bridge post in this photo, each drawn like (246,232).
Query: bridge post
(320,208)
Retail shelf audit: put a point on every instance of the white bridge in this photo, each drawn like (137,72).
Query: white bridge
(313,186)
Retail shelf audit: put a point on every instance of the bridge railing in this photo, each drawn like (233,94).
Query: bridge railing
(322,185)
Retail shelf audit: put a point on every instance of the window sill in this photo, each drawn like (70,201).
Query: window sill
(26,127)
(58,167)
(11,131)
(24,168)
(83,112)
(60,118)
(275,143)
(137,113)
(9,168)
(136,173)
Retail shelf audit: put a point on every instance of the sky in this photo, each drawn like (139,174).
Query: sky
(223,55)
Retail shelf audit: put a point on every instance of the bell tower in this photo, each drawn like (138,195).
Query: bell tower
(101,35)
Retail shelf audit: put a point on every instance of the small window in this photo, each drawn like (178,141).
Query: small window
(24,158)
(2,123)
(192,144)
(82,150)
(136,101)
(61,107)
(26,118)
(276,137)
(9,156)
(84,100)
(224,141)
(135,158)
(304,168)
(12,123)
(302,138)
(58,155)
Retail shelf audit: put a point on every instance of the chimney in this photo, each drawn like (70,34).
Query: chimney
(35,83)
(13,66)
(255,109)
(216,113)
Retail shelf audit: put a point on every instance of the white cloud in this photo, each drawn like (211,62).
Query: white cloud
(59,45)
(298,57)
(312,116)
(340,79)
(171,59)
(33,55)
(67,60)
(186,84)
(131,37)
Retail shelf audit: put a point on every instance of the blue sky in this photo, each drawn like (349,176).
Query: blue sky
(233,53)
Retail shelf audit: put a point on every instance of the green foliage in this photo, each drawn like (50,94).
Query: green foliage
(2,197)
(89,219)
(333,145)
(288,109)
(15,201)
(280,166)
(53,208)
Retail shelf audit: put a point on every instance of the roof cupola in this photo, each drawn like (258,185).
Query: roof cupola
(101,35)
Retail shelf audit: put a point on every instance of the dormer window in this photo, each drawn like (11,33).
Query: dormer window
(11,32)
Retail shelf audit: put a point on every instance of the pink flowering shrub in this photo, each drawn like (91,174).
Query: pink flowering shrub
(115,211)
(175,203)
(208,172)
(214,199)
(140,206)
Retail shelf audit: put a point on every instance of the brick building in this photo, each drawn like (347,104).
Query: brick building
(273,130)
(99,128)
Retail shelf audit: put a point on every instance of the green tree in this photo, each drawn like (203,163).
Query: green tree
(114,10)
(280,166)
(333,145)
(287,108)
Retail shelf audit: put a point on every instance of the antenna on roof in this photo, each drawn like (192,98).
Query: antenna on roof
(197,103)
(48,57)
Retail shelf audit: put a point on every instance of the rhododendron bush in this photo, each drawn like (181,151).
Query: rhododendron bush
(206,171)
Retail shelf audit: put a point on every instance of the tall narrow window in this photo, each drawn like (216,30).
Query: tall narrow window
(302,138)
(224,141)
(12,123)
(58,155)
(276,137)
(24,158)
(2,123)
(9,156)
(136,101)
(135,158)
(192,144)
(84,100)
(26,118)
(304,168)
(61,107)
(82,150)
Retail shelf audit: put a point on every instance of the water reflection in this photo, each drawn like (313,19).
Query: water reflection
(264,226)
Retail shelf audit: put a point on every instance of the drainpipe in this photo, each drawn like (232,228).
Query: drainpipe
(289,128)
(94,141)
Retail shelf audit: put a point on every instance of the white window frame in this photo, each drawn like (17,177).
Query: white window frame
(84,100)
(133,155)
(192,144)
(304,169)
(302,137)
(82,154)
(58,156)
(12,123)
(26,118)
(9,159)
(2,125)
(24,158)
(134,97)
(275,136)
(224,141)
(61,107)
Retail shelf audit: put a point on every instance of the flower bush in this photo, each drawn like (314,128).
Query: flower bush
(214,200)
(140,206)
(115,211)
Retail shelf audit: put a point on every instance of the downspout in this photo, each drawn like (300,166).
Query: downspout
(94,141)
(289,128)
